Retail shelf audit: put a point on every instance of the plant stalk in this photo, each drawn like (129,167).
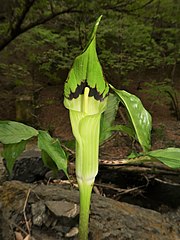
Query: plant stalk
(86,131)
(85,199)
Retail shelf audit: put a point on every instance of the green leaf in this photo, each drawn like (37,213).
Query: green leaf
(11,152)
(124,129)
(53,149)
(48,162)
(15,132)
(168,156)
(108,117)
(140,117)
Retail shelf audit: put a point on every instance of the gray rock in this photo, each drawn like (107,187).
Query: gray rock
(29,167)
(109,219)
(63,208)
(38,210)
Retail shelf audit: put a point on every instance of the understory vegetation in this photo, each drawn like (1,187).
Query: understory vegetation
(39,40)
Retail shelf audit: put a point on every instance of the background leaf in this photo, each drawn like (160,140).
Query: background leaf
(125,129)
(168,156)
(53,149)
(140,117)
(11,152)
(108,117)
(48,162)
(15,132)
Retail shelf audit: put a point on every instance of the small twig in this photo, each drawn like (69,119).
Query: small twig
(165,182)
(135,165)
(144,169)
(24,210)
(68,149)
(19,228)
(109,139)
(119,190)
(122,115)
(96,190)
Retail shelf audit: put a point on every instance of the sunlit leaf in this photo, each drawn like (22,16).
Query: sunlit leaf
(11,152)
(140,117)
(168,156)
(53,149)
(15,132)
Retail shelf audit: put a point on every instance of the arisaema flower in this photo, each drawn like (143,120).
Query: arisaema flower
(86,94)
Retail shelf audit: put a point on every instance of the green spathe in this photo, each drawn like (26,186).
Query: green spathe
(88,105)
(86,131)
(86,69)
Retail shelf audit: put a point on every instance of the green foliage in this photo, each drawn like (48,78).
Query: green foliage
(52,151)
(15,136)
(137,38)
(14,132)
(11,152)
(125,129)
(139,116)
(108,117)
(159,92)
(168,156)
(16,72)
(163,93)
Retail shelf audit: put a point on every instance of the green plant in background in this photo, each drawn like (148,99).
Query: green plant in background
(90,108)
(141,35)
(14,136)
(162,93)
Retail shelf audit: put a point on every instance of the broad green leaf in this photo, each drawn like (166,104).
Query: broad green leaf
(53,149)
(168,156)
(15,132)
(108,117)
(11,152)
(140,117)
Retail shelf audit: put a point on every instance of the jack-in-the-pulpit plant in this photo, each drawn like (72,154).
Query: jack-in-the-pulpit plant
(86,94)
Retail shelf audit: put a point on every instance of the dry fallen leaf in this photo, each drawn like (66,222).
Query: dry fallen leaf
(18,236)
(73,232)
(28,237)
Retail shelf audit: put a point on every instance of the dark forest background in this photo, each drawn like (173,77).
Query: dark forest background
(138,44)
